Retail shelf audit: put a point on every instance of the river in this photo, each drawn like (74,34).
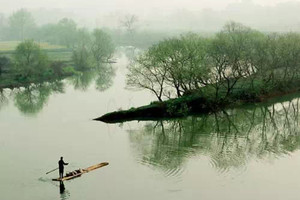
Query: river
(244,153)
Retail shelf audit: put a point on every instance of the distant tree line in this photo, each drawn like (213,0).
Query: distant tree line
(92,49)
(88,49)
(29,62)
(20,26)
(237,62)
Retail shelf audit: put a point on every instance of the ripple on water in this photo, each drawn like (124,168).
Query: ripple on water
(175,172)
(64,194)
(226,161)
(45,180)
(170,160)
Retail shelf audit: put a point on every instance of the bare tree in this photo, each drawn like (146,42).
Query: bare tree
(129,23)
(144,74)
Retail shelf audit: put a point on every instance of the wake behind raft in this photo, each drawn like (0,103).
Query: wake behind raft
(79,172)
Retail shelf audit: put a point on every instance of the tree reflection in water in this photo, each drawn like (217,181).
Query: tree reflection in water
(101,75)
(104,79)
(31,99)
(230,139)
(3,97)
(82,80)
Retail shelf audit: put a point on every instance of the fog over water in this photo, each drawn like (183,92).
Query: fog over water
(188,15)
(64,63)
(129,5)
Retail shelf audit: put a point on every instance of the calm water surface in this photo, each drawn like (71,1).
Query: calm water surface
(246,153)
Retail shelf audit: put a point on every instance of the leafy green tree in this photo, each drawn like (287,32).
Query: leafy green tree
(4,63)
(21,25)
(66,32)
(238,62)
(57,68)
(49,33)
(81,58)
(83,38)
(30,60)
(102,46)
(230,57)
(285,54)
(91,50)
(82,51)
(187,69)
(144,74)
(171,67)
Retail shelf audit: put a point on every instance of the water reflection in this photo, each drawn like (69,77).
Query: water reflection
(61,187)
(64,194)
(129,51)
(104,79)
(3,98)
(230,139)
(102,76)
(31,99)
(82,80)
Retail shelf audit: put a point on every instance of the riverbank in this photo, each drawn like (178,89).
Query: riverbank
(8,81)
(191,105)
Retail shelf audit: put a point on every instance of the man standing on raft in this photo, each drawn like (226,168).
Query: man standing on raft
(61,164)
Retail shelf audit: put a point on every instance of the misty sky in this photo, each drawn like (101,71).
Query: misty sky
(188,15)
(126,5)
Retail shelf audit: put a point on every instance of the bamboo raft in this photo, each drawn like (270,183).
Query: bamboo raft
(83,171)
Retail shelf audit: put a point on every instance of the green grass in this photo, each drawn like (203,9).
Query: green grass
(53,56)
(60,56)
(199,103)
(54,52)
(11,45)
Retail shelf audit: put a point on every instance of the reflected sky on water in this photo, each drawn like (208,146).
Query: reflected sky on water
(251,152)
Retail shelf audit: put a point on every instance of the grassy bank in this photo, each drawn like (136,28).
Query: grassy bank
(11,45)
(196,103)
(54,52)
(59,65)
(11,80)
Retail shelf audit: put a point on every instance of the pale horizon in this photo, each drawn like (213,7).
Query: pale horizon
(91,6)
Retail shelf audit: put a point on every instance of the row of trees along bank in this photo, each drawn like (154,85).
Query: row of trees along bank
(21,25)
(31,63)
(236,63)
